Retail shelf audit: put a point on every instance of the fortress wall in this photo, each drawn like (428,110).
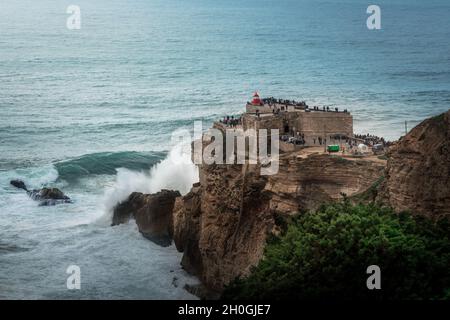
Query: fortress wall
(319,123)
(263,122)
(311,124)
(262,109)
(268,109)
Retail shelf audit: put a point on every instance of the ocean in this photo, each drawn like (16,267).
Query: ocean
(91,111)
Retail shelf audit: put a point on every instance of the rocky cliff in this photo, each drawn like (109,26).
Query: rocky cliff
(418,170)
(222,224)
(152,212)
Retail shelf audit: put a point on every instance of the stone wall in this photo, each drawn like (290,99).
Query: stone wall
(311,124)
(262,122)
(289,147)
(325,123)
(250,108)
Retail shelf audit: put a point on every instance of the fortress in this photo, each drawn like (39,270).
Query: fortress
(297,119)
(299,125)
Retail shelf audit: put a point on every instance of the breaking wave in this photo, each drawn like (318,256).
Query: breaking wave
(175,172)
(106,163)
(34,177)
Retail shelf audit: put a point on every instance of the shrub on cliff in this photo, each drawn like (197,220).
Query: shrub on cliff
(325,255)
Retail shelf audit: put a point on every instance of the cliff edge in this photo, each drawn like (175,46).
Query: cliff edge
(152,212)
(418,170)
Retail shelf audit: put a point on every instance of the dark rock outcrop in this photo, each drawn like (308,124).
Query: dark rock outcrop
(152,212)
(19,184)
(45,196)
(418,170)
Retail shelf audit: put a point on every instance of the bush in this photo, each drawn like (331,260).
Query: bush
(325,254)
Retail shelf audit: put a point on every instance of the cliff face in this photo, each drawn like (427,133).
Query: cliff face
(152,212)
(304,183)
(418,170)
(222,224)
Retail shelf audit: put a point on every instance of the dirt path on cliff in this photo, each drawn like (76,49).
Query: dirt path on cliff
(305,153)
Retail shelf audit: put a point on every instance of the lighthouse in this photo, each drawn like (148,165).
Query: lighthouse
(256,101)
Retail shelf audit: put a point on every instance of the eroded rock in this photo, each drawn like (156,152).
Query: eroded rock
(222,225)
(152,212)
(418,170)
(19,184)
(45,196)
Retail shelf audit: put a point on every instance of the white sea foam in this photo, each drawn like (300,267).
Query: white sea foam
(34,177)
(175,172)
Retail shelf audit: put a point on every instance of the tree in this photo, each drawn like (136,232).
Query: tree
(325,255)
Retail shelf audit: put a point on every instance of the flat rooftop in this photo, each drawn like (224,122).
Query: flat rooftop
(269,105)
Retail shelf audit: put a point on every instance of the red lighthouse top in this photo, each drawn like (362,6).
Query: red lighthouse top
(256,100)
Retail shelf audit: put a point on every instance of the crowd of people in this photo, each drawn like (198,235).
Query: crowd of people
(271,101)
(231,121)
(347,144)
(371,140)
(327,109)
(302,104)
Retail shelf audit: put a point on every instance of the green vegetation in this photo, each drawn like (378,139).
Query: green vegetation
(370,194)
(438,118)
(325,254)
(439,122)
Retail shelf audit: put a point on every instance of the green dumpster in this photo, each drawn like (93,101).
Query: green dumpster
(333,148)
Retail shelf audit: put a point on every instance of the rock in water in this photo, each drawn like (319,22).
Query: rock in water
(49,196)
(152,212)
(46,196)
(19,184)
(418,170)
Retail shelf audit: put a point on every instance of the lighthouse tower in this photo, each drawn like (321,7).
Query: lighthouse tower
(256,101)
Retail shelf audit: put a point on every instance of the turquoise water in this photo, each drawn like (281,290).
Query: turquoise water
(75,105)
